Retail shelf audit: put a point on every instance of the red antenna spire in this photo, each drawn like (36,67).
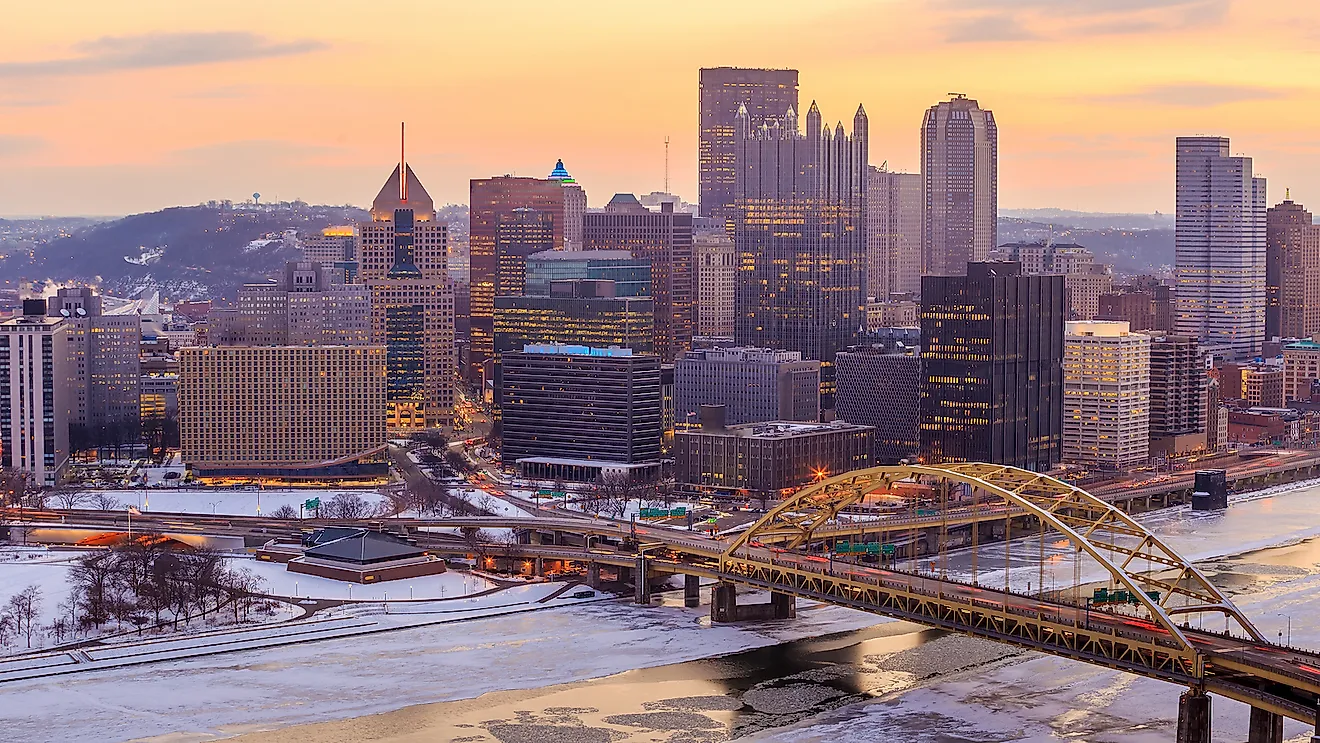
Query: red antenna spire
(403,168)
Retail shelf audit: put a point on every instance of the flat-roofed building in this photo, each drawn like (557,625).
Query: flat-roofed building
(1301,368)
(1106,395)
(284,412)
(753,385)
(576,412)
(36,400)
(767,460)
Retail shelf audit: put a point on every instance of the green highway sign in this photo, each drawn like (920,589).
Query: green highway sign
(312,503)
(663,513)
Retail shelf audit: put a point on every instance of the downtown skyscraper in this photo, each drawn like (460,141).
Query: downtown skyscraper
(800,235)
(960,170)
(494,202)
(765,94)
(1221,248)
(402,250)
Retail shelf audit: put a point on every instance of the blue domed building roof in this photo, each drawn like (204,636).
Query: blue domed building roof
(560,173)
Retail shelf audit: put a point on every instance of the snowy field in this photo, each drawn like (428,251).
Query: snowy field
(280,582)
(228,502)
(49,572)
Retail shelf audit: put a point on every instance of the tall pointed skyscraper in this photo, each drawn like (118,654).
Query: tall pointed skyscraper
(402,250)
(800,225)
(960,168)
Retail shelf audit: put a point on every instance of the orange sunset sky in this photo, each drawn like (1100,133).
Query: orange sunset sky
(118,106)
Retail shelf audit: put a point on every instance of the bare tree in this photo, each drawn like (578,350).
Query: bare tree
(25,609)
(347,506)
(104,502)
(68,498)
(615,490)
(285,511)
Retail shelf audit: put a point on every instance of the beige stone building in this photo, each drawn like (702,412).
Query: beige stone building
(1106,395)
(285,412)
(716,265)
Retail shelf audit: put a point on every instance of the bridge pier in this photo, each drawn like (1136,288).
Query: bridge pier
(641,583)
(593,575)
(691,591)
(1194,717)
(724,606)
(539,567)
(1265,727)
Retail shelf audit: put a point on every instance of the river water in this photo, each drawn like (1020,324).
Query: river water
(899,682)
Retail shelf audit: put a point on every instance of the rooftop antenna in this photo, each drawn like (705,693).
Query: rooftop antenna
(666,163)
(403,167)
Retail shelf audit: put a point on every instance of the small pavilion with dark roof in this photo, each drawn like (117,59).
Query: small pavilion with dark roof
(363,556)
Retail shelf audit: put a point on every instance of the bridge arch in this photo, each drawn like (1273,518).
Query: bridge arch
(1089,523)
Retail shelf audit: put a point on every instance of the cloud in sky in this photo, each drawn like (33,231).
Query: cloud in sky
(155,50)
(14,145)
(1196,95)
(1000,27)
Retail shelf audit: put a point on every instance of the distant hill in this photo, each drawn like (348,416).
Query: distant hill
(1129,250)
(1092,220)
(183,251)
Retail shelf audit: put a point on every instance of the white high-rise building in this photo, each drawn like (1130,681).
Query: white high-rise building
(1220,247)
(1106,395)
(960,168)
(36,397)
(893,238)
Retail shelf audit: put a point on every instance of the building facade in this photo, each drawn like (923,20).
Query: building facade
(1301,368)
(105,365)
(1085,281)
(520,234)
(1177,394)
(575,405)
(631,277)
(1263,385)
(801,289)
(764,461)
(1142,307)
(716,262)
(881,388)
(664,238)
(1106,396)
(285,412)
(1292,272)
(403,255)
(960,172)
(575,206)
(992,376)
(893,236)
(36,396)
(494,200)
(753,385)
(582,312)
(333,245)
(1220,269)
(722,90)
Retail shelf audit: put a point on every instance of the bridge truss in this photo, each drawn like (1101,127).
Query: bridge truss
(1162,583)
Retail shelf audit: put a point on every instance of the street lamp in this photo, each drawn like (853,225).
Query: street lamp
(1289,618)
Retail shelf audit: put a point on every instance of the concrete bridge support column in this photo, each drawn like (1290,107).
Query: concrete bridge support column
(539,566)
(691,591)
(1194,717)
(1265,727)
(785,606)
(642,584)
(593,575)
(723,603)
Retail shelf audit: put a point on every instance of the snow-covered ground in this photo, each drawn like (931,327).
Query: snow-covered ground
(50,574)
(280,582)
(228,502)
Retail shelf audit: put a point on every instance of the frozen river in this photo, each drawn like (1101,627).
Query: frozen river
(615,672)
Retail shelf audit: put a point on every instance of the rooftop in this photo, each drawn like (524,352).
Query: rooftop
(779,429)
(558,348)
(360,546)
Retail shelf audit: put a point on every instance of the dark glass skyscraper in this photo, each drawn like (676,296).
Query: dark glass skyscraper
(992,367)
(800,236)
(764,93)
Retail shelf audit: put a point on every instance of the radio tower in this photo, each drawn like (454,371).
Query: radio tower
(666,163)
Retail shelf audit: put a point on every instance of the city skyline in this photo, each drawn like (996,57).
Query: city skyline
(185,115)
